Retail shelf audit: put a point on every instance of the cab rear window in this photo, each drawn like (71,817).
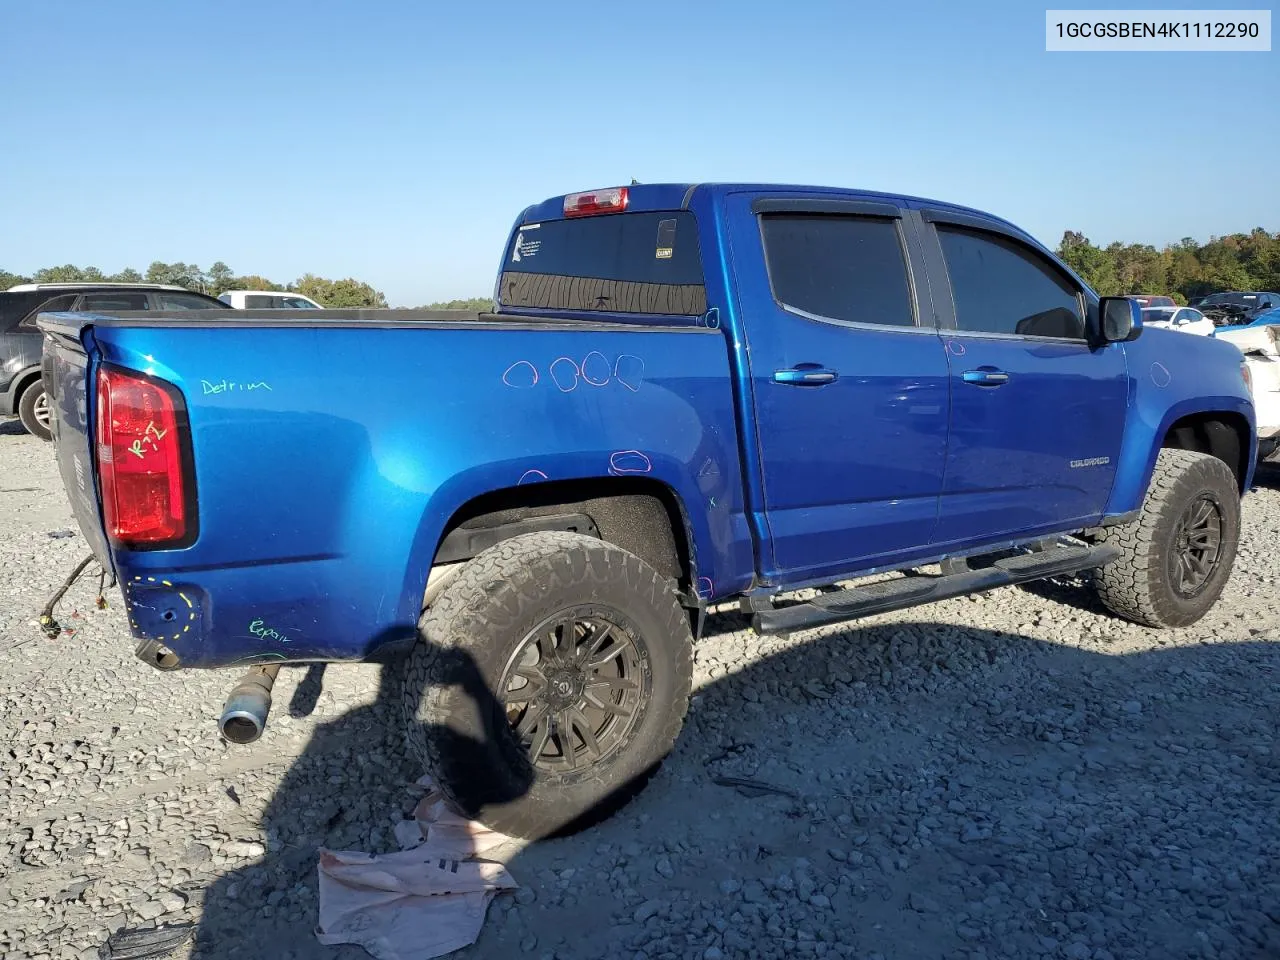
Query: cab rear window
(616,263)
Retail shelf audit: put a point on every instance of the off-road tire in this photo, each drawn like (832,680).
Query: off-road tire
(468,636)
(27,411)
(1138,585)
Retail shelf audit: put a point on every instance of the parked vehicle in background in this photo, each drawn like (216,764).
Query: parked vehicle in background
(1182,319)
(1267,318)
(565,485)
(1260,344)
(1152,300)
(267,300)
(21,391)
(1235,307)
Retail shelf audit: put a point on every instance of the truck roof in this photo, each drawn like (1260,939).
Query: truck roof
(93,285)
(676,196)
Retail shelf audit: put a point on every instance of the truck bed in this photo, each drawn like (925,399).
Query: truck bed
(332,448)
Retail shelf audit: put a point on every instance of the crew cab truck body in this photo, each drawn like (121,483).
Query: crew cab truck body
(686,395)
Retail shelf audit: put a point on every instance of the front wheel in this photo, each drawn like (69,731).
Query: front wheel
(35,411)
(1177,556)
(551,678)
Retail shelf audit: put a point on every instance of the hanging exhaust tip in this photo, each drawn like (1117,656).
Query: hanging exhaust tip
(244,716)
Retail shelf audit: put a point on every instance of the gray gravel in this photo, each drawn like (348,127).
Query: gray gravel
(1014,775)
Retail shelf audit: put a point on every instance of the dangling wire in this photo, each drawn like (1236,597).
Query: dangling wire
(50,626)
(101,599)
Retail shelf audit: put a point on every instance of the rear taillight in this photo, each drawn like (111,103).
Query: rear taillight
(612,200)
(140,460)
(1247,374)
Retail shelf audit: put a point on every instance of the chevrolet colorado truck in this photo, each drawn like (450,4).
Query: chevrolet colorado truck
(685,395)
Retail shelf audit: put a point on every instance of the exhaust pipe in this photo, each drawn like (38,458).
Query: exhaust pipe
(244,716)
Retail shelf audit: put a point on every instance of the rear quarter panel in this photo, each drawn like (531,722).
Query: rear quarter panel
(329,460)
(1173,375)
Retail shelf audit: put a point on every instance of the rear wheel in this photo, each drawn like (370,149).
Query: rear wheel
(35,411)
(1178,554)
(551,679)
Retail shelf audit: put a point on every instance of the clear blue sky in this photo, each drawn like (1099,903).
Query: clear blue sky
(396,141)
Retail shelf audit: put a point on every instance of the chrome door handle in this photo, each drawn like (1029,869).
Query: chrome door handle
(805,376)
(986,378)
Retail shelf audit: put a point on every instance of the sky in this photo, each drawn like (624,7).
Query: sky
(396,142)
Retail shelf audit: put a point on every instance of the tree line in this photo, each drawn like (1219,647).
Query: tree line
(217,279)
(1238,261)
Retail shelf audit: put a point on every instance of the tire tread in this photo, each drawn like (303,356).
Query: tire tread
(517,571)
(1127,585)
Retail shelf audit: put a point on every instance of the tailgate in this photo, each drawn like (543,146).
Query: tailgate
(66,369)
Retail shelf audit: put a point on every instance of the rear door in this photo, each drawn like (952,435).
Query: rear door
(1037,413)
(848,379)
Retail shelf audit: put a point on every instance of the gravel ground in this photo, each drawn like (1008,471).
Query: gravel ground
(1014,775)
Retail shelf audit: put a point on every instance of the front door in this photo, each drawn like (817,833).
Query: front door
(1037,412)
(848,382)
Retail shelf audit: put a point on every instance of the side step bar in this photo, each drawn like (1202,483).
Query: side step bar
(857,602)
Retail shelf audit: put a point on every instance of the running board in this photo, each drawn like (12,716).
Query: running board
(899,594)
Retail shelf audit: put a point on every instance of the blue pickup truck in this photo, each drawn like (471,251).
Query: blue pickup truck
(685,395)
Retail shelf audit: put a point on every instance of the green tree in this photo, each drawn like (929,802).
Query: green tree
(1239,261)
(253,282)
(182,274)
(478,304)
(220,278)
(339,293)
(8,279)
(127,275)
(1094,265)
(67,273)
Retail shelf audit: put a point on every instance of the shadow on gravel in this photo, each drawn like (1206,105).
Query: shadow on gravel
(343,793)
(1075,592)
(12,428)
(1267,476)
(911,790)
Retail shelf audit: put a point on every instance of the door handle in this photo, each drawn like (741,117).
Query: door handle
(805,375)
(986,378)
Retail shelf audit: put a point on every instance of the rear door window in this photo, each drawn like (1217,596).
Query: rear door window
(846,268)
(618,263)
(258,301)
(112,302)
(54,305)
(183,301)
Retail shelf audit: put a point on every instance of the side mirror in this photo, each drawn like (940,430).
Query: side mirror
(1121,319)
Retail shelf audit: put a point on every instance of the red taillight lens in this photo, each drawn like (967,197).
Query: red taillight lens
(612,200)
(140,460)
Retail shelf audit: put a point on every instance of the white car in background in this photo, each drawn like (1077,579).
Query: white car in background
(267,300)
(1182,319)
(1261,349)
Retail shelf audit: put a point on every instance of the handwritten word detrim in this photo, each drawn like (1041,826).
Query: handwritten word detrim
(228,386)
